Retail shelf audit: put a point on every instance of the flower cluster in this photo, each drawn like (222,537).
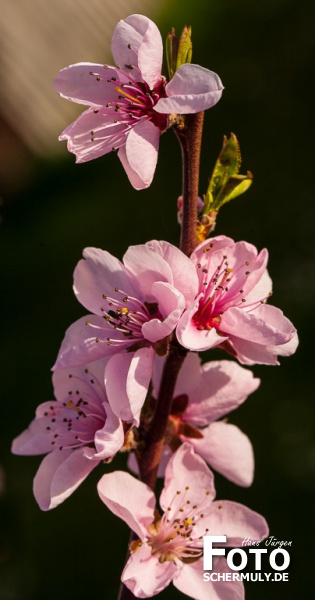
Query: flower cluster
(110,373)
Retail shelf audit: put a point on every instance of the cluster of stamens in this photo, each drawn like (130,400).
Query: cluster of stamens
(172,537)
(135,101)
(222,290)
(126,315)
(74,422)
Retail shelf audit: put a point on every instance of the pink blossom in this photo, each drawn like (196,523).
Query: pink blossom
(76,431)
(170,546)
(230,307)
(136,305)
(129,104)
(203,394)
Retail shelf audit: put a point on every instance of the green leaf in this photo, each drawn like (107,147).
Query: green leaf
(225,183)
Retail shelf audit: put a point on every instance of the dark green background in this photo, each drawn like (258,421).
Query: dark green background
(264,53)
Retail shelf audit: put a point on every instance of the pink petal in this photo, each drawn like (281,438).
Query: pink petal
(127,378)
(138,380)
(192,338)
(252,327)
(145,51)
(59,474)
(288,348)
(190,581)
(110,438)
(227,450)
(236,521)
(116,373)
(147,267)
(34,439)
(134,179)
(275,318)
(98,274)
(221,387)
(81,379)
(145,575)
(219,242)
(251,352)
(76,83)
(79,345)
(150,54)
(141,149)
(192,89)
(171,304)
(260,289)
(184,276)
(129,499)
(185,468)
(94,134)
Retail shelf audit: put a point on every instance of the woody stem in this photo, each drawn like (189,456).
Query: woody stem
(189,138)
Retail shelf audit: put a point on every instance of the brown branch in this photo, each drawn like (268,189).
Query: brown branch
(190,141)
(154,438)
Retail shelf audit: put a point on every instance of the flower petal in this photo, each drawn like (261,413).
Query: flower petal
(80,345)
(34,439)
(134,179)
(190,581)
(141,153)
(137,42)
(127,378)
(93,134)
(59,474)
(236,521)
(227,450)
(171,304)
(87,83)
(220,388)
(147,266)
(129,499)
(145,575)
(185,468)
(138,380)
(253,327)
(150,52)
(183,272)
(192,89)
(98,274)
(110,438)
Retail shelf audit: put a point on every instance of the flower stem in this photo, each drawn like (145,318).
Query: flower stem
(189,138)
(154,438)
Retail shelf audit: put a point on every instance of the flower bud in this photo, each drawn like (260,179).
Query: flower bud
(178,51)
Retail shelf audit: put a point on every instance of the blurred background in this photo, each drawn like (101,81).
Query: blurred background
(51,209)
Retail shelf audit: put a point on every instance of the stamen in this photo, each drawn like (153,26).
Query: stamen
(132,98)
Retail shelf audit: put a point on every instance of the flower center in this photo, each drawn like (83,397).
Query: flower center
(135,100)
(74,422)
(172,537)
(126,315)
(221,290)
